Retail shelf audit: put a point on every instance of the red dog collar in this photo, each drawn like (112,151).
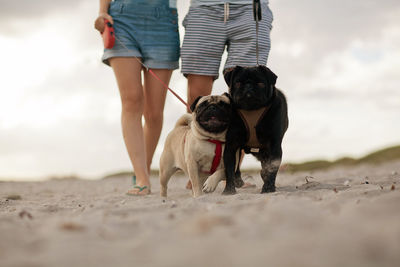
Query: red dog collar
(218,155)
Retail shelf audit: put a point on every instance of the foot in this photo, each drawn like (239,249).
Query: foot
(189,185)
(248,182)
(238,180)
(139,191)
(209,185)
(268,189)
(229,189)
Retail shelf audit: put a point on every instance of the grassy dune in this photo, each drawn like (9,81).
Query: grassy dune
(378,157)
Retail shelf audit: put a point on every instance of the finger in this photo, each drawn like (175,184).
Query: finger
(99,24)
(110,19)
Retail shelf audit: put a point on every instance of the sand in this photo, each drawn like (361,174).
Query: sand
(338,217)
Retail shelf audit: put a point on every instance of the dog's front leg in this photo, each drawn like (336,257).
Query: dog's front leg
(269,168)
(238,175)
(212,181)
(230,164)
(193,171)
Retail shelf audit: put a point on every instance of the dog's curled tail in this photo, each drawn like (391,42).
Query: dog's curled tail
(185,120)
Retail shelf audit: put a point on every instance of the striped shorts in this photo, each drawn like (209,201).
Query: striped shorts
(209,29)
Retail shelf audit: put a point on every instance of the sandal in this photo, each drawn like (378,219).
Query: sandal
(143,190)
(248,182)
(138,192)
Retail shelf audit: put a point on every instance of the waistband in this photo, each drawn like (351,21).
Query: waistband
(222,2)
(143,9)
(152,3)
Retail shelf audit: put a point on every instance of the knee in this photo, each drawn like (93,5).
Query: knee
(153,117)
(132,103)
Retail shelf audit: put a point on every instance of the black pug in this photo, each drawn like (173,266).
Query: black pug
(258,124)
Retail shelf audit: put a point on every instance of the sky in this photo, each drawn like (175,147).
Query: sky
(338,63)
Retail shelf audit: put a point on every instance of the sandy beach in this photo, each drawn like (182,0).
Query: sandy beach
(345,216)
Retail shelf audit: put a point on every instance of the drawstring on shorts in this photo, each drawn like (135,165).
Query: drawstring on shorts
(226,12)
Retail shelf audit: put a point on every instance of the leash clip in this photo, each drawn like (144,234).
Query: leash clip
(257,17)
(257,10)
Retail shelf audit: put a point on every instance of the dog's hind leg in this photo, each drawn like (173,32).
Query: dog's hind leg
(165,175)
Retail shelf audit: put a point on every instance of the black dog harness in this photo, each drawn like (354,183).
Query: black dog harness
(251,119)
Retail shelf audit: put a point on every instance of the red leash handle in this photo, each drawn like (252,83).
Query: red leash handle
(108,35)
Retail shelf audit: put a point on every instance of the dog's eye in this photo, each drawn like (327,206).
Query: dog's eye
(237,85)
(223,104)
(261,85)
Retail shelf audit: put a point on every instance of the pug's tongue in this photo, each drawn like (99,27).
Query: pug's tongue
(213,118)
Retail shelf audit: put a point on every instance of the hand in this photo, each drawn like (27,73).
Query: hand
(99,22)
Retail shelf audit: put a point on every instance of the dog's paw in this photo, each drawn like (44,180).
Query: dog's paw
(197,193)
(229,191)
(269,189)
(238,182)
(209,185)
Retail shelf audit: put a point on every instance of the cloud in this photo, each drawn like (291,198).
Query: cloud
(24,17)
(333,23)
(27,9)
(305,32)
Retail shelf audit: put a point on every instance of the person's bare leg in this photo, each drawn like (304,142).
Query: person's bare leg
(128,74)
(198,85)
(154,101)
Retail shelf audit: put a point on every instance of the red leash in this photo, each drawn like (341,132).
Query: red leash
(166,86)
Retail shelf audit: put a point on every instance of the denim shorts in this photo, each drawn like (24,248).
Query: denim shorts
(147,31)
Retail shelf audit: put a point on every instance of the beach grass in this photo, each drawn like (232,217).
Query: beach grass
(377,157)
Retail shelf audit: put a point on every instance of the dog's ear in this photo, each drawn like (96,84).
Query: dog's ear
(229,74)
(193,105)
(270,75)
(228,96)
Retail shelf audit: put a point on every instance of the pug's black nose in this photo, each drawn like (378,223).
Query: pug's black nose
(248,86)
(213,107)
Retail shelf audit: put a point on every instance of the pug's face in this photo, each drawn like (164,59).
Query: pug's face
(212,113)
(250,87)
